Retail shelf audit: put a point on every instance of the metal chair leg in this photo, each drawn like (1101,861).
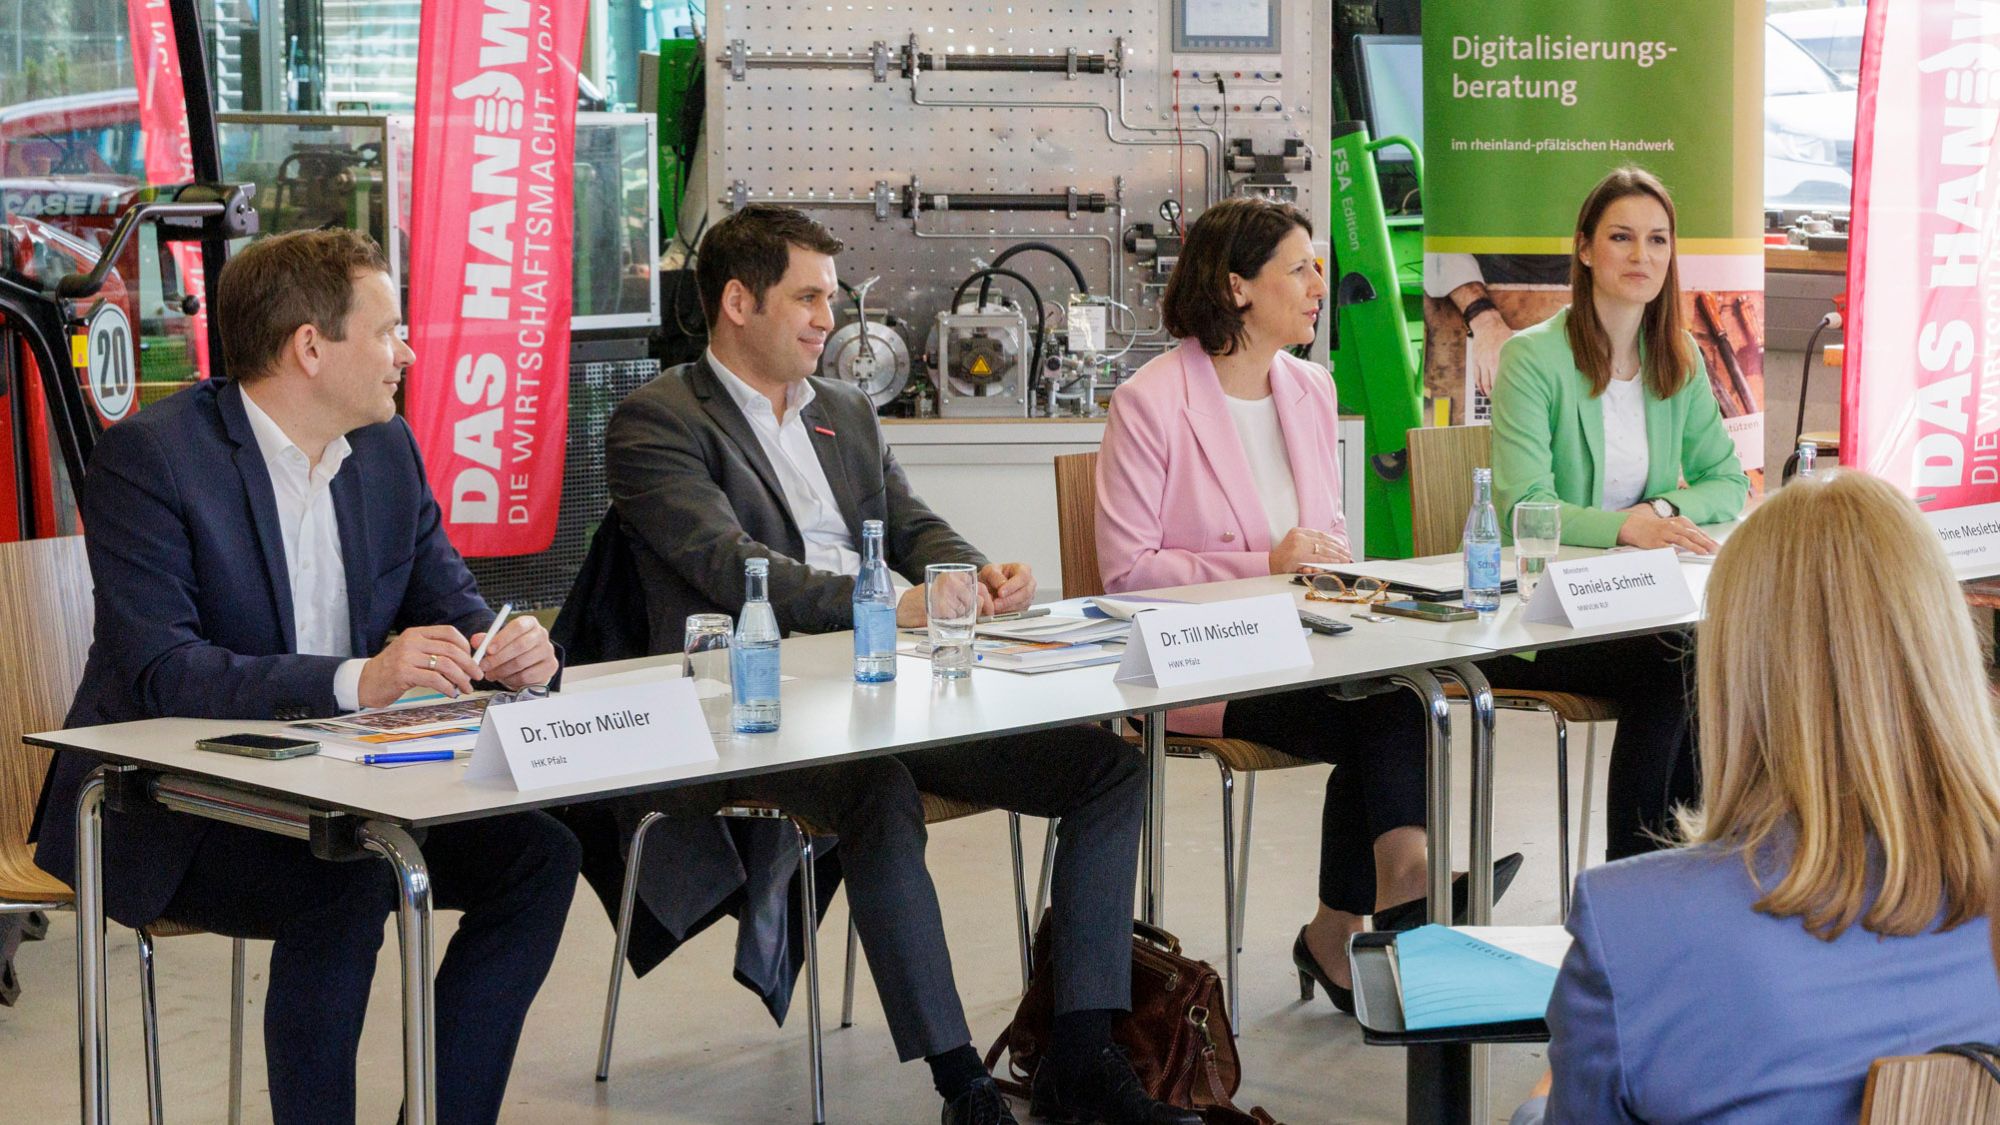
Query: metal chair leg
(1589,789)
(236,1000)
(149,1008)
(1229,883)
(1562,816)
(1048,868)
(626,899)
(809,913)
(93,1046)
(1243,856)
(1021,900)
(416,942)
(847,986)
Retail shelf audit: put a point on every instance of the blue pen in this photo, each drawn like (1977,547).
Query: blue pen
(408,756)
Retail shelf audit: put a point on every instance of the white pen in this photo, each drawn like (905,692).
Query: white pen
(492,631)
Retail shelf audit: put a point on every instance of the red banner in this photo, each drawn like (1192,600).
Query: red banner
(156,70)
(1920,389)
(490,232)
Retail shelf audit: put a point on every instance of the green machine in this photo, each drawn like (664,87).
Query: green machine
(680,72)
(1377,345)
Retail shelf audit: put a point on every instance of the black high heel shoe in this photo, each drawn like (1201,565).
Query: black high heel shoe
(1409,915)
(1309,972)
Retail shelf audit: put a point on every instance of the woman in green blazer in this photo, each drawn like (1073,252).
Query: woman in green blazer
(1605,408)
(1550,410)
(1549,444)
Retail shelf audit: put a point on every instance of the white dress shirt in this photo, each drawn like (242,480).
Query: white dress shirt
(313,562)
(1625,452)
(1263,439)
(788,446)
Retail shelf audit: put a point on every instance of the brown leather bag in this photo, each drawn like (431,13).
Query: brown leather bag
(1177,1033)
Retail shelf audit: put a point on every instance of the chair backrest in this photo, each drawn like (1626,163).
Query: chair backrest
(45,621)
(1441,462)
(1922,1089)
(1076,524)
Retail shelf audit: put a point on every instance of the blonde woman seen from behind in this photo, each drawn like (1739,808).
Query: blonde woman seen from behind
(1815,917)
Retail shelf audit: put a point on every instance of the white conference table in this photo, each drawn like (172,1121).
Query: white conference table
(344,810)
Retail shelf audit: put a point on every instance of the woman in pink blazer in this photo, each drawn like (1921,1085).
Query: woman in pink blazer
(1219,462)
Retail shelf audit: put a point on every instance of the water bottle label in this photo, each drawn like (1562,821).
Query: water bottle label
(874,629)
(756,674)
(1482,566)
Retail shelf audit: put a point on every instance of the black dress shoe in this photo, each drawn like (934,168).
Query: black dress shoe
(981,1104)
(1102,1089)
(1409,915)
(1309,972)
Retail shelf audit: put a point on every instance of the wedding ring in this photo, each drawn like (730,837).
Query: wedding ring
(433,663)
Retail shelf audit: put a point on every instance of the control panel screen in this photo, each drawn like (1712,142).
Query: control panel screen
(1226,25)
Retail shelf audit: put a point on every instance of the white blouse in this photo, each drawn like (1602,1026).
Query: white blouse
(1263,440)
(1625,454)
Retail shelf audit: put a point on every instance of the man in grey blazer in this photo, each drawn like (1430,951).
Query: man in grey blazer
(745,455)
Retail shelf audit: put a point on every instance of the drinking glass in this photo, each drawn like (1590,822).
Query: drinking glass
(1537,539)
(951,601)
(705,660)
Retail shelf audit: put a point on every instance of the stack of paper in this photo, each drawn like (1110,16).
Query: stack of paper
(1124,606)
(1099,607)
(440,725)
(1055,629)
(1429,579)
(1013,656)
(1028,656)
(1450,978)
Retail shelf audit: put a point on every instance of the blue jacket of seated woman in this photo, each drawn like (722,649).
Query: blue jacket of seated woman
(1680,1003)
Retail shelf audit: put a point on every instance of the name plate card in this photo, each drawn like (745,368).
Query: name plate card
(1188,644)
(575,737)
(1971,538)
(1612,589)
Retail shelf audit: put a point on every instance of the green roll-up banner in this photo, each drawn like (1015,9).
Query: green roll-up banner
(1527,104)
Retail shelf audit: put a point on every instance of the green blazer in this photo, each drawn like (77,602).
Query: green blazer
(1548,442)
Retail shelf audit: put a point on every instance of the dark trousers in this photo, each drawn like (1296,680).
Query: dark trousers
(1096,783)
(513,876)
(1652,758)
(1087,776)
(1377,747)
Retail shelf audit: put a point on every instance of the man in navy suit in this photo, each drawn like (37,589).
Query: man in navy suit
(252,545)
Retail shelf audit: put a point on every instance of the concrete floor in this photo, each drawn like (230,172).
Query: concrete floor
(695,1047)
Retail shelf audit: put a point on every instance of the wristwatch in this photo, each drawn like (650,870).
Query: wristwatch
(1664,508)
(1474,308)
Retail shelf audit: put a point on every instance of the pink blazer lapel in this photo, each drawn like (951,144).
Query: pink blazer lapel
(1208,419)
(1315,470)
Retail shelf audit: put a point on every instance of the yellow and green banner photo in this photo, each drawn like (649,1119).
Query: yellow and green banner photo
(1527,105)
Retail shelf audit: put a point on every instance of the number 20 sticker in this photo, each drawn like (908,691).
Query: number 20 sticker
(113,376)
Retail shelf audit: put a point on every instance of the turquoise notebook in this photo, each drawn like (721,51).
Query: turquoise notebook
(1449,979)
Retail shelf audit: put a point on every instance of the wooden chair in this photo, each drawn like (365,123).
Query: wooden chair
(45,628)
(1441,462)
(1076,525)
(937,810)
(1932,1089)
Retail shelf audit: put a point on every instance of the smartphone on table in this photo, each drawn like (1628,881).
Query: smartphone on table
(274,747)
(1426,611)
